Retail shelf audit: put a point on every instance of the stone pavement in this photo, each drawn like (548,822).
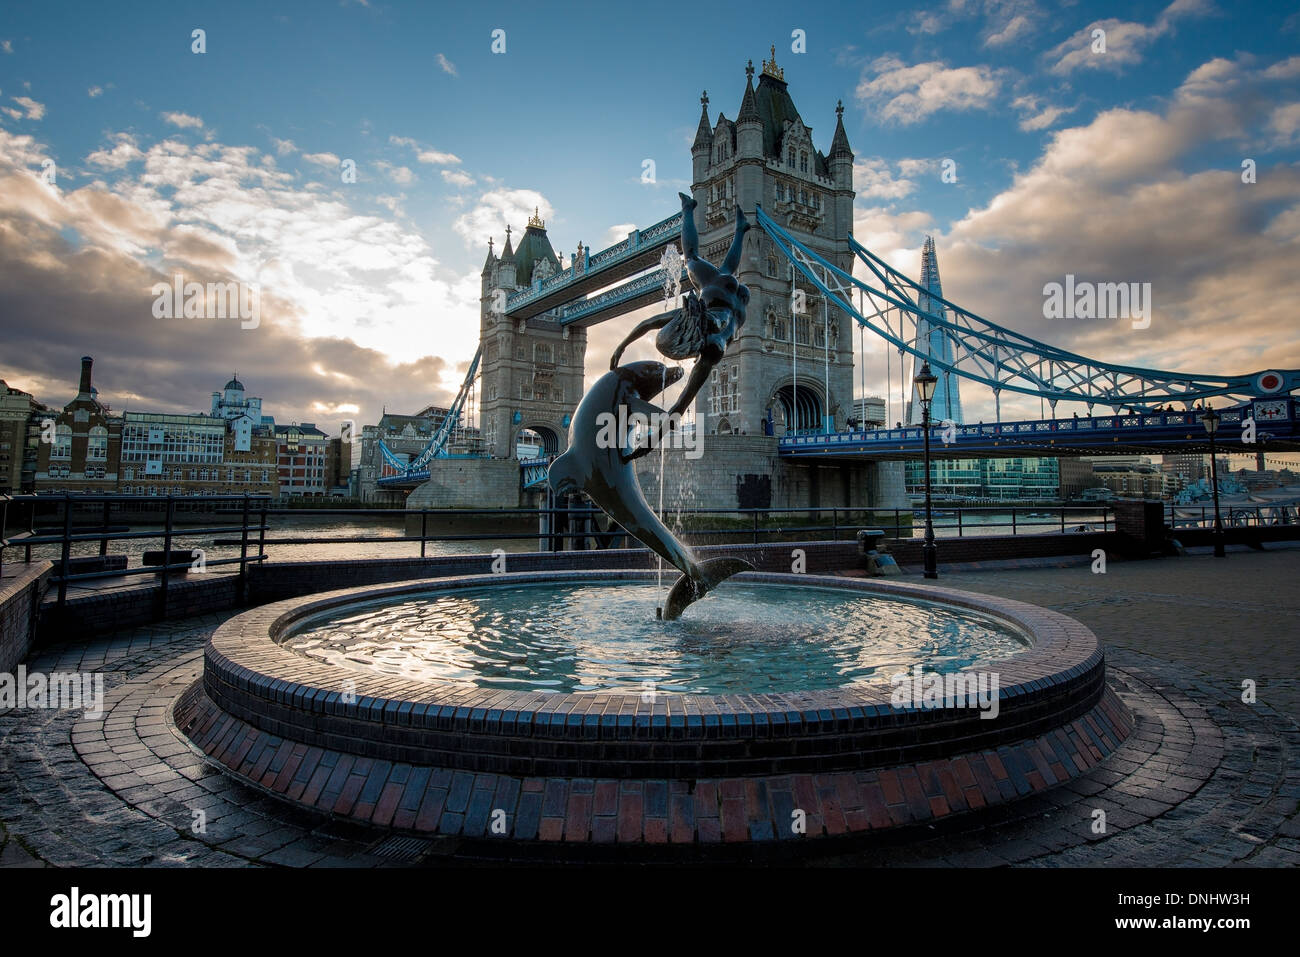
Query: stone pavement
(1204,780)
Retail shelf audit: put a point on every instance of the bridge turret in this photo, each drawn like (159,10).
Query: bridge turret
(749,125)
(702,148)
(841,158)
(507,267)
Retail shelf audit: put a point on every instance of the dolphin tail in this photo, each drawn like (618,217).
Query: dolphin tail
(713,572)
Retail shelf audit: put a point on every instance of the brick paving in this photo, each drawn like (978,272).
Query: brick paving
(1204,779)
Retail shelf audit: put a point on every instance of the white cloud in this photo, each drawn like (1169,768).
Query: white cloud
(908,94)
(283,147)
(7,46)
(1125,40)
(436,158)
(182,120)
(124,151)
(327,160)
(34,110)
(401,175)
(495,210)
(1285,124)
(457,177)
(1015,28)
(1034,115)
(873,179)
(616,234)
(95,91)
(447,65)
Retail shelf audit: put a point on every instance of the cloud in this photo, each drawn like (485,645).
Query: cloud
(457,177)
(7,46)
(401,175)
(1034,115)
(436,158)
(447,65)
(1285,124)
(497,209)
(182,120)
(33,110)
(616,234)
(1014,29)
(908,94)
(124,151)
(283,147)
(340,290)
(95,91)
(873,179)
(1125,40)
(327,160)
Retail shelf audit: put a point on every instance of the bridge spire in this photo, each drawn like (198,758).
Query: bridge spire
(703,132)
(840,142)
(748,107)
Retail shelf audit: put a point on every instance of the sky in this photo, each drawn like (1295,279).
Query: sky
(127,156)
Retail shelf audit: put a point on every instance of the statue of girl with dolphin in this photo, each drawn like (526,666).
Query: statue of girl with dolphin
(703,328)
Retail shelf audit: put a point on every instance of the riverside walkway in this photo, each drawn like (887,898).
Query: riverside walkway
(1205,780)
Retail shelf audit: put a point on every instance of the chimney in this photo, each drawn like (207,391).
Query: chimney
(83,390)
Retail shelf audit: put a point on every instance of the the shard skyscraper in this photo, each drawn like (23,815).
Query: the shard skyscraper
(947,393)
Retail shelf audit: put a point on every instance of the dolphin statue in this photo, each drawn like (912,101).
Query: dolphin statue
(603,470)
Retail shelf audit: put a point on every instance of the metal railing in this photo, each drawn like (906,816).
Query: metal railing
(557,529)
(1234,515)
(67,533)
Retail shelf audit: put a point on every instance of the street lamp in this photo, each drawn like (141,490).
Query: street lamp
(925,382)
(1210,419)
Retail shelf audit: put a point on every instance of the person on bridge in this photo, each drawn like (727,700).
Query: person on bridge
(707,323)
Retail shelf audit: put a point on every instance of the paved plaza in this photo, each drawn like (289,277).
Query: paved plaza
(1205,779)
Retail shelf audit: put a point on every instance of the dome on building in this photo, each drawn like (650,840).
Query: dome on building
(234,384)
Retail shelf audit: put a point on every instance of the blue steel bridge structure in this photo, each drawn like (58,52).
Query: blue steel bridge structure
(1131,409)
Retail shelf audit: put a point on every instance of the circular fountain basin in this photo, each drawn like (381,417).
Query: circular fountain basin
(589,637)
(773,674)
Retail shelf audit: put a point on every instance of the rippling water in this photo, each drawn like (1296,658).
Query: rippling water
(744,637)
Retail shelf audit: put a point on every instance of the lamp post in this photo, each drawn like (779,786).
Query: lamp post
(925,382)
(1210,419)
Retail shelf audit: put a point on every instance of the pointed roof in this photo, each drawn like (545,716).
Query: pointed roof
(507,254)
(491,257)
(748,110)
(703,132)
(840,143)
(533,247)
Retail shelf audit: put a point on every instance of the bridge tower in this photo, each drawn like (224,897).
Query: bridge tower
(531,369)
(766,155)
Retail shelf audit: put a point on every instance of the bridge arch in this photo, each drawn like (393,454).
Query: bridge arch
(533,436)
(797,408)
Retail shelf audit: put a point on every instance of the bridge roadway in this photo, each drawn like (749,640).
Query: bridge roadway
(1127,434)
(638,252)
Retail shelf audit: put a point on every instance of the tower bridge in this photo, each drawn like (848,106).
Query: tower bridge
(775,413)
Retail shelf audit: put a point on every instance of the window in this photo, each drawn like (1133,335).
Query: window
(97,445)
(780,190)
(62,447)
(803,198)
(803,162)
(791,163)
(771,267)
(803,330)
(542,352)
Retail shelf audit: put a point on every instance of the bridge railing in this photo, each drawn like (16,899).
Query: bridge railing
(1233,514)
(1020,428)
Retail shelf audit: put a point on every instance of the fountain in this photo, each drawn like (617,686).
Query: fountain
(546,708)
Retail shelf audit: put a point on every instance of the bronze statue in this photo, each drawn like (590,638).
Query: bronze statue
(599,463)
(707,323)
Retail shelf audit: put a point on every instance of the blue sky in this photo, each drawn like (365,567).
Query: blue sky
(228,161)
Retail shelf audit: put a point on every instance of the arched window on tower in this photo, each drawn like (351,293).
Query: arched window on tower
(791,163)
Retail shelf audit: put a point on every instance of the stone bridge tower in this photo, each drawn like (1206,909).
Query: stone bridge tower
(531,369)
(766,155)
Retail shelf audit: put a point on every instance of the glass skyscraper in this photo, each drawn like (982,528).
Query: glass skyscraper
(938,345)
